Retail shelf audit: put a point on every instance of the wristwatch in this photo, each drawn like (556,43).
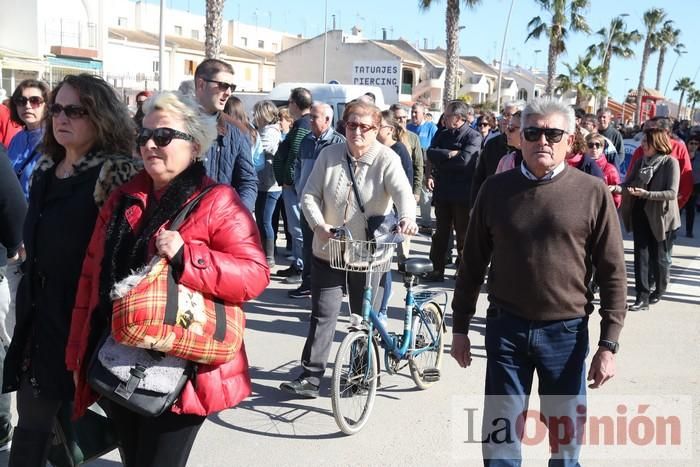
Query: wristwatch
(610,345)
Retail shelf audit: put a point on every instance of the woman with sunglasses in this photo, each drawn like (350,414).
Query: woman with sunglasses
(86,153)
(329,201)
(27,109)
(577,157)
(595,146)
(216,250)
(484,124)
(650,211)
(515,157)
(692,205)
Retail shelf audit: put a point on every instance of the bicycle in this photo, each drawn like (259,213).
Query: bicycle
(420,346)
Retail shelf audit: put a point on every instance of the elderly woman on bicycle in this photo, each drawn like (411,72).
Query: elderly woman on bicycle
(329,201)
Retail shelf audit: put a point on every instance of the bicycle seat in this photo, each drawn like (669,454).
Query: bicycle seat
(417,265)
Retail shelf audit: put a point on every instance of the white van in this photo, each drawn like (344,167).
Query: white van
(335,95)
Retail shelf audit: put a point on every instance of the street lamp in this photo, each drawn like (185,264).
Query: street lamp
(604,100)
(624,101)
(537,54)
(679,52)
(500,63)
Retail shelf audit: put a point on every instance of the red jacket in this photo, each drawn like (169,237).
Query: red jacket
(8,128)
(222,256)
(680,152)
(612,176)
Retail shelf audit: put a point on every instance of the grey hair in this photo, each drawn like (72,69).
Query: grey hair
(265,113)
(197,122)
(548,106)
(397,106)
(459,108)
(518,105)
(327,109)
(187,87)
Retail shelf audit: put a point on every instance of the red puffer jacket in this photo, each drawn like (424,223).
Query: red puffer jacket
(222,256)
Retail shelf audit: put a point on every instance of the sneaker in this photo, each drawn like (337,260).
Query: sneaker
(6,441)
(434,276)
(355,320)
(290,271)
(300,387)
(300,292)
(293,279)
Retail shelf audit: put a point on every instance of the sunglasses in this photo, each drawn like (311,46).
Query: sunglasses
(71,111)
(552,135)
(400,117)
(34,101)
(512,129)
(483,124)
(594,145)
(364,128)
(161,136)
(221,85)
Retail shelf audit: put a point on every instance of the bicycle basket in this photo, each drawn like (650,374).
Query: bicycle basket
(360,255)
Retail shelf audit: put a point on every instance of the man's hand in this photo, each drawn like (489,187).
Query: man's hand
(638,192)
(407,227)
(323,231)
(430,183)
(168,243)
(461,349)
(602,368)
(452,154)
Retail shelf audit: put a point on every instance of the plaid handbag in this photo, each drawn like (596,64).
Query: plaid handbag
(154,312)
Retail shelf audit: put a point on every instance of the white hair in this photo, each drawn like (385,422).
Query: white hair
(198,123)
(518,105)
(327,109)
(547,106)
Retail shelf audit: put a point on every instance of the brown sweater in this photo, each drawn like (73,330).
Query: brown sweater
(542,239)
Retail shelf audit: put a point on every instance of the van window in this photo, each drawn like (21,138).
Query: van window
(340,109)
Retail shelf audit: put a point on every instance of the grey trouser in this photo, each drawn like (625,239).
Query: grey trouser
(327,286)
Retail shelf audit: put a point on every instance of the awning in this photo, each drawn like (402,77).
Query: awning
(15,60)
(75,63)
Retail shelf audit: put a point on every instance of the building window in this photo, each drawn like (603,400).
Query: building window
(261,44)
(537,93)
(189,67)
(522,94)
(178,30)
(92,35)
(244,41)
(156,66)
(275,47)
(123,22)
(195,34)
(406,81)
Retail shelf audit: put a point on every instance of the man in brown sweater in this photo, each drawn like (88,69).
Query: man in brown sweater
(544,228)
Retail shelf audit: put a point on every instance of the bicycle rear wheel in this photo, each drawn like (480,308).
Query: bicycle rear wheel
(427,335)
(354,382)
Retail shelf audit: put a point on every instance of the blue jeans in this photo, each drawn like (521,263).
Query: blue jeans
(293,210)
(515,349)
(264,208)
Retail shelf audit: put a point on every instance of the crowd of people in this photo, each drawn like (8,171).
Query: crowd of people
(87,192)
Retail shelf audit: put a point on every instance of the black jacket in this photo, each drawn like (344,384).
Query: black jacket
(13,208)
(453,175)
(490,156)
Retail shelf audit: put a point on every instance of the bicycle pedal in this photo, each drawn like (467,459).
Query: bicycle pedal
(431,375)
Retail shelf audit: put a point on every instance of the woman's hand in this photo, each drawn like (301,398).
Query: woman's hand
(75,378)
(323,231)
(638,192)
(407,227)
(168,243)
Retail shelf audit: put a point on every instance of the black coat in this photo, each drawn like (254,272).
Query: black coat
(490,156)
(453,175)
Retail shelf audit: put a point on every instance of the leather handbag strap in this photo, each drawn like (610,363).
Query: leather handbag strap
(187,209)
(354,186)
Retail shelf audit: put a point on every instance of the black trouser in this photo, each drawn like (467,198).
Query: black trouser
(651,257)
(327,287)
(163,441)
(448,215)
(690,208)
(307,236)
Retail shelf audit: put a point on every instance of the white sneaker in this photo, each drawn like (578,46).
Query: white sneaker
(355,320)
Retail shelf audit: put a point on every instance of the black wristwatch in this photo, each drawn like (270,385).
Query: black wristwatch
(610,345)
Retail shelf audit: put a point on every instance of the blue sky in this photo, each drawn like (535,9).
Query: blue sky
(483,32)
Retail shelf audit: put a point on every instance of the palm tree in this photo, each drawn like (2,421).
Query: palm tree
(693,98)
(667,37)
(615,41)
(578,78)
(212,28)
(452,33)
(683,85)
(556,30)
(652,19)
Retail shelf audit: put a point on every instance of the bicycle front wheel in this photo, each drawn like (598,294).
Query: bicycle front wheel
(354,382)
(428,345)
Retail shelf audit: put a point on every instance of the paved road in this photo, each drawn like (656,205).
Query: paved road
(413,427)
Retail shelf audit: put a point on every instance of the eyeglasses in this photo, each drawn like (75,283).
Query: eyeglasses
(483,124)
(364,128)
(594,145)
(512,129)
(400,117)
(221,85)
(72,111)
(161,136)
(34,101)
(552,135)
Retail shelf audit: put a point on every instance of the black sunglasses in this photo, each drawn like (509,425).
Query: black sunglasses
(161,136)
(221,85)
(553,135)
(594,145)
(483,124)
(34,101)
(71,111)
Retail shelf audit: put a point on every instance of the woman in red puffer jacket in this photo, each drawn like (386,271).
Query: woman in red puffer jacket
(216,250)
(595,143)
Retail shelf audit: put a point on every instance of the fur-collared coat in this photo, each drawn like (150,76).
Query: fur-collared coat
(221,256)
(59,222)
